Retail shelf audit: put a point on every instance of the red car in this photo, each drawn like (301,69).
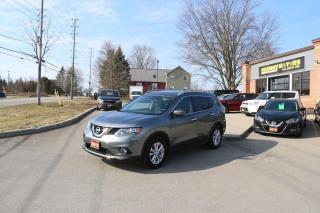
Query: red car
(233,101)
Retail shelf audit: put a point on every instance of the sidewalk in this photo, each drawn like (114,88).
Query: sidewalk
(238,126)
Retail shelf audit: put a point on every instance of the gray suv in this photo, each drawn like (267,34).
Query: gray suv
(149,125)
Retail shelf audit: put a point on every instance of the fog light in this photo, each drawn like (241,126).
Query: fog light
(123,151)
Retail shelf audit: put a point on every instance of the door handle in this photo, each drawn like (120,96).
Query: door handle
(213,114)
(194,119)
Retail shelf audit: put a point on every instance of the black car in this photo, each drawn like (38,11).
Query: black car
(281,117)
(109,99)
(2,94)
(317,113)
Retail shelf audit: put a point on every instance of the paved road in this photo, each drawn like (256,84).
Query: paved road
(19,101)
(49,172)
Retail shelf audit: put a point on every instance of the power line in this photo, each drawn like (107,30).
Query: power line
(16,56)
(16,51)
(16,39)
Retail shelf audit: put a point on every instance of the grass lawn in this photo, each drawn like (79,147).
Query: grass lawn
(32,115)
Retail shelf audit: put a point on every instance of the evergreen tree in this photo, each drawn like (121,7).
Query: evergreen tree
(121,70)
(61,79)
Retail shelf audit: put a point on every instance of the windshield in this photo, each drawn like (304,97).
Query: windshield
(282,105)
(223,96)
(265,96)
(230,96)
(109,93)
(149,105)
(136,93)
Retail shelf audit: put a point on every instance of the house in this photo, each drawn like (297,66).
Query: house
(158,79)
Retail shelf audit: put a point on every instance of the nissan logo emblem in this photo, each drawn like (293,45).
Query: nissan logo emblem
(273,123)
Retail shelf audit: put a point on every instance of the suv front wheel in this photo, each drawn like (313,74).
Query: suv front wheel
(155,152)
(215,138)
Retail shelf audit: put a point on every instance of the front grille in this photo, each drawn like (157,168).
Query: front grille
(98,130)
(109,102)
(274,122)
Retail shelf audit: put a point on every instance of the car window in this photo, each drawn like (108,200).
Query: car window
(288,95)
(186,105)
(201,103)
(211,102)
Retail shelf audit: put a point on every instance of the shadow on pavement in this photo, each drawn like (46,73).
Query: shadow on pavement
(194,157)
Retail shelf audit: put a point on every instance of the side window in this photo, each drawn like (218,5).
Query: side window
(200,103)
(211,102)
(185,105)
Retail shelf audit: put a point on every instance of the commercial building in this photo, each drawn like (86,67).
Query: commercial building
(157,79)
(293,70)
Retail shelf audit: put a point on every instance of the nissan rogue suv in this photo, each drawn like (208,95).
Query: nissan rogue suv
(149,125)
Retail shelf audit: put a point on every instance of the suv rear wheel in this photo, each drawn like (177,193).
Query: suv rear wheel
(215,138)
(155,152)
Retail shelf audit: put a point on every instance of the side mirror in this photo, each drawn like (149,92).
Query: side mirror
(178,113)
(95,96)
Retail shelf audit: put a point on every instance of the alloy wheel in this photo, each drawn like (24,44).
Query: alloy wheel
(156,153)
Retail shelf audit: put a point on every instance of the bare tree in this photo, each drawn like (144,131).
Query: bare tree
(142,57)
(220,35)
(40,36)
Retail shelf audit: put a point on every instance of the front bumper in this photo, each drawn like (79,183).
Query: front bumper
(283,129)
(249,109)
(109,145)
(103,105)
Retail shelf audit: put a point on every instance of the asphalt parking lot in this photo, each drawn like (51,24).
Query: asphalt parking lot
(49,172)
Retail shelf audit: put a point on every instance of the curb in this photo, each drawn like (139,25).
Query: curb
(48,127)
(244,135)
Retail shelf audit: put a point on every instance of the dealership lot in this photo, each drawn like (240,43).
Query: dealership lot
(49,172)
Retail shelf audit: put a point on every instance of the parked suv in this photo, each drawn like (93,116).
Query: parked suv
(109,99)
(233,101)
(253,106)
(151,124)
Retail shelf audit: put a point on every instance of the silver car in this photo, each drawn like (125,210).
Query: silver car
(149,125)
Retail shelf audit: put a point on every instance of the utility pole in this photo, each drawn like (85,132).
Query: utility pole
(157,74)
(8,77)
(40,56)
(74,26)
(90,74)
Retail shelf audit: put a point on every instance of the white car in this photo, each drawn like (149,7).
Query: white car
(252,106)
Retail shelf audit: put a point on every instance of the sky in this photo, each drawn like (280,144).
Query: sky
(126,23)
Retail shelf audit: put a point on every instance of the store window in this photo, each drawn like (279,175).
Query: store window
(301,83)
(261,85)
(279,83)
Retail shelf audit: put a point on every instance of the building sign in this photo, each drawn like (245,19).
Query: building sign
(289,65)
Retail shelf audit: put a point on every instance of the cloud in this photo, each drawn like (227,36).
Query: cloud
(99,8)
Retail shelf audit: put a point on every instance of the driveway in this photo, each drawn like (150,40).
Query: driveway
(49,172)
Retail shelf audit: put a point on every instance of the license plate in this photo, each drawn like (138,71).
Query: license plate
(95,144)
(273,129)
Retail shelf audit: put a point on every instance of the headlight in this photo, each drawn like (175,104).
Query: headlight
(118,101)
(258,118)
(100,100)
(128,131)
(293,121)
(254,103)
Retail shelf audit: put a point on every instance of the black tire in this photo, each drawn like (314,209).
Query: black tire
(98,108)
(148,159)
(215,138)
(305,123)
(298,134)
(226,107)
